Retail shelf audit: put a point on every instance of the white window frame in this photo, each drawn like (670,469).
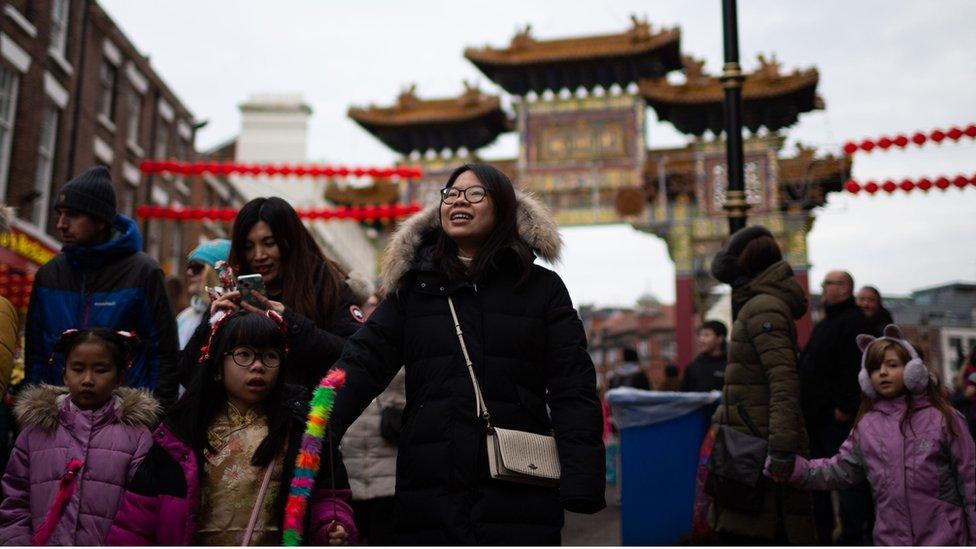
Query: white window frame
(60,19)
(108,78)
(46,152)
(133,100)
(9,88)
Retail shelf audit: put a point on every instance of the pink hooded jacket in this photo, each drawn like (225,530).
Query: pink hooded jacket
(923,479)
(109,442)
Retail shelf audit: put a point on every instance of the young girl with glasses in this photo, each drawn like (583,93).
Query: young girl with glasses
(79,447)
(225,455)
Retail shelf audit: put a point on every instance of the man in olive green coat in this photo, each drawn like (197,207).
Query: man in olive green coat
(762,389)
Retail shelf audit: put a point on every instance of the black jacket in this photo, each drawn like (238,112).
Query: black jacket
(529,351)
(830,362)
(705,373)
(312,349)
(878,322)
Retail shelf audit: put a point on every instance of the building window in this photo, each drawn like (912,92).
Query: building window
(162,141)
(8,109)
(155,229)
(107,76)
(134,105)
(60,10)
(127,200)
(176,247)
(45,164)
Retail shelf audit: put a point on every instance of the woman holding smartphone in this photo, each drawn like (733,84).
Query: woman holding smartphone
(299,282)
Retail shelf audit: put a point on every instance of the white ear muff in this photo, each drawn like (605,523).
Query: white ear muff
(865,380)
(916,376)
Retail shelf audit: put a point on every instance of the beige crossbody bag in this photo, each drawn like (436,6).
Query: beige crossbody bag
(515,456)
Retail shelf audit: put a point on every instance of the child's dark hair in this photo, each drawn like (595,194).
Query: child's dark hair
(206,396)
(121,347)
(935,391)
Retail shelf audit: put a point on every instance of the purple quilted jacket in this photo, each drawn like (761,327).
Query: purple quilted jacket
(923,480)
(110,442)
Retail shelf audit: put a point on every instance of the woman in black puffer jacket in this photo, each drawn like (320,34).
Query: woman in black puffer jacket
(529,353)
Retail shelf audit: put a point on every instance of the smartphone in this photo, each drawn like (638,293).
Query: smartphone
(248,285)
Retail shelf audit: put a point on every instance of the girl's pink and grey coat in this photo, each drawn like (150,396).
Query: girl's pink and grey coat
(110,442)
(923,480)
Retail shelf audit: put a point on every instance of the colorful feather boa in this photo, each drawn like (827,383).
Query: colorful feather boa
(307,463)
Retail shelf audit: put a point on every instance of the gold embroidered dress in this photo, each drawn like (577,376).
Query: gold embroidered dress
(231,484)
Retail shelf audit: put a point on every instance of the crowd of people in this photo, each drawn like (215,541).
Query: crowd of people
(140,425)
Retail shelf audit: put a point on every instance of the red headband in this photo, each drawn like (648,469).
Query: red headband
(273,315)
(128,336)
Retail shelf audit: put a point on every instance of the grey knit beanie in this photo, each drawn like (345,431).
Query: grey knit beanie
(92,193)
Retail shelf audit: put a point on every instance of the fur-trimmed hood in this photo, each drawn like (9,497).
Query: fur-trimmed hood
(40,405)
(536,227)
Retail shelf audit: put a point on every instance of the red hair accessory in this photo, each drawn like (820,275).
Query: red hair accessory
(216,325)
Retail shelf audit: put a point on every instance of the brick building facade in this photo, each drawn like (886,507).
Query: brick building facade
(74,92)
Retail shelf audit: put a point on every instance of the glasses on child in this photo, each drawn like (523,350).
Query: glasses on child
(473,195)
(195,268)
(245,357)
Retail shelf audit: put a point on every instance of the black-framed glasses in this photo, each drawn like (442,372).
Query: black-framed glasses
(195,268)
(245,357)
(473,195)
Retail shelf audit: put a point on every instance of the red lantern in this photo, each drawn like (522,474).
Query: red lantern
(884,142)
(900,140)
(960,181)
(906,185)
(342,171)
(942,183)
(286,170)
(937,136)
(889,186)
(871,187)
(954,133)
(971,180)
(919,138)
(925,184)
(867,145)
(852,186)
(970,130)
(359,172)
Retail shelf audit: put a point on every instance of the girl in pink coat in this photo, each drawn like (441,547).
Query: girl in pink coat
(912,447)
(79,447)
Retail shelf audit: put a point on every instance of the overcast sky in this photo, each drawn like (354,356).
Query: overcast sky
(885,67)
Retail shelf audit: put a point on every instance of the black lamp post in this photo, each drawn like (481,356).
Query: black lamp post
(732,77)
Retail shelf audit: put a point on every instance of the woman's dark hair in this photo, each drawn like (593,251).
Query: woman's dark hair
(301,258)
(758,255)
(502,244)
(935,391)
(121,348)
(206,396)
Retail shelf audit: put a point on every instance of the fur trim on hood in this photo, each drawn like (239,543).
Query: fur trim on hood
(535,224)
(360,286)
(38,405)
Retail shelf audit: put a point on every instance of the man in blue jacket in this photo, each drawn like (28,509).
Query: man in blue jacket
(101,278)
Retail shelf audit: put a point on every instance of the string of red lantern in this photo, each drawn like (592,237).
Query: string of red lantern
(285,170)
(924,184)
(357,213)
(902,140)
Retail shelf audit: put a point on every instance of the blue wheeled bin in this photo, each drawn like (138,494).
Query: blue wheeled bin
(660,435)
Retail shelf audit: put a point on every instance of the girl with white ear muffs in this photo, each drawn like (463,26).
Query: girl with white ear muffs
(910,444)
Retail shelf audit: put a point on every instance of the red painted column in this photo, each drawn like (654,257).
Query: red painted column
(684,329)
(804,324)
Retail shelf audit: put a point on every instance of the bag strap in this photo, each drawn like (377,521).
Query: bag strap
(257,504)
(481,410)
